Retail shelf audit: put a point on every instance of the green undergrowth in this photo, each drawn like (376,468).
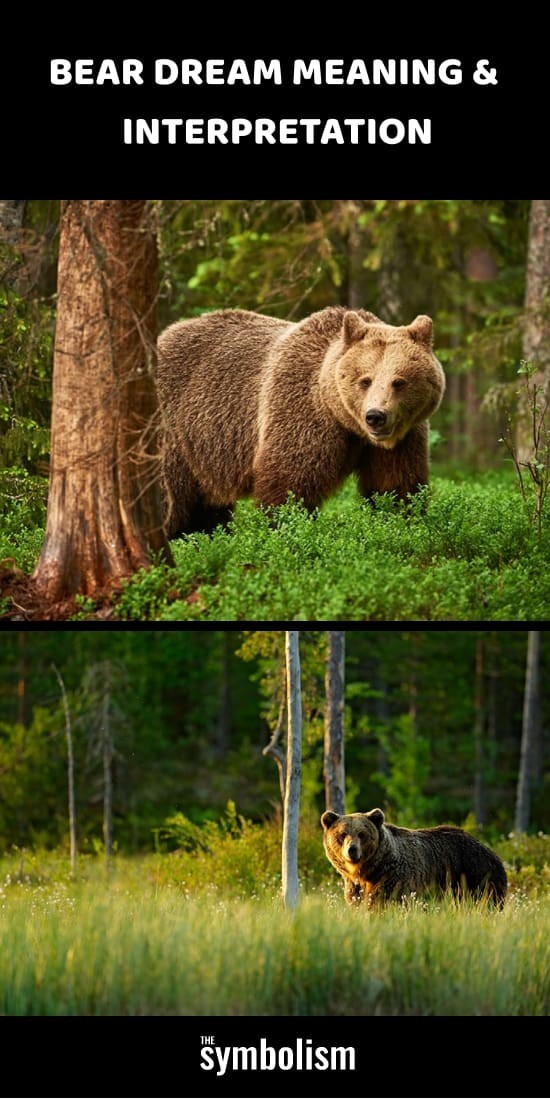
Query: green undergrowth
(235,858)
(458,551)
(22,517)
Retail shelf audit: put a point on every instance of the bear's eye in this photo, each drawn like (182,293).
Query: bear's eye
(365,383)
(341,838)
(398,383)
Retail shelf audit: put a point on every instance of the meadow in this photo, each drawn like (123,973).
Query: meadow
(158,935)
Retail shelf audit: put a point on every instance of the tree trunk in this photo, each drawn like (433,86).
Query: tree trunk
(334,770)
(528,733)
(272,749)
(480,806)
(70,770)
(536,333)
(104,506)
(293,770)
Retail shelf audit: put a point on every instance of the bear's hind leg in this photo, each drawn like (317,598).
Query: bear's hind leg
(181,495)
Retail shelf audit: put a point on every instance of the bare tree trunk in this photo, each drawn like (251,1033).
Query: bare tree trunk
(104,507)
(272,749)
(536,334)
(480,806)
(70,770)
(293,771)
(334,768)
(528,733)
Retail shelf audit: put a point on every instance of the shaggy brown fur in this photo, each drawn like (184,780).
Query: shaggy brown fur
(257,406)
(380,862)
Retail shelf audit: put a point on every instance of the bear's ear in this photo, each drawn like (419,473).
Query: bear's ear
(421,330)
(354,327)
(377,817)
(328,819)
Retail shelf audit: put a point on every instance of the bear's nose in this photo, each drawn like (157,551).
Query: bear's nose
(353,853)
(376,418)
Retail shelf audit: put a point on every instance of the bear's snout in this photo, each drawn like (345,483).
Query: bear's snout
(376,418)
(354,853)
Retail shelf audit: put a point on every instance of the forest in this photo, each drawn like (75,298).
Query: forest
(471,547)
(433,729)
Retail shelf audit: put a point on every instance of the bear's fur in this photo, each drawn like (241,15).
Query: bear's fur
(257,406)
(381,862)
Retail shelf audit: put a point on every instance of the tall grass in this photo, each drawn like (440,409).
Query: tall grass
(124,943)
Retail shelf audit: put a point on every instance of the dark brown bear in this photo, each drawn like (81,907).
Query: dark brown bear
(254,406)
(380,862)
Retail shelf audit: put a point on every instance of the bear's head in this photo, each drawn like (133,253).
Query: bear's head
(386,377)
(351,840)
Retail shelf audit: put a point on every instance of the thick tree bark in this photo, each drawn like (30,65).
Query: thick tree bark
(293,771)
(104,507)
(528,733)
(536,333)
(334,768)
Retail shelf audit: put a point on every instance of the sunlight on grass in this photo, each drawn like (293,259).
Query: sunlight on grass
(113,945)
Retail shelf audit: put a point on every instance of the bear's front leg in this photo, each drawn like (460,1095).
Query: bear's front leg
(354,892)
(401,470)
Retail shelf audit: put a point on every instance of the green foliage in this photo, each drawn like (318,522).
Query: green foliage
(32,773)
(236,857)
(197,717)
(456,552)
(407,767)
(22,516)
(527,439)
(26,350)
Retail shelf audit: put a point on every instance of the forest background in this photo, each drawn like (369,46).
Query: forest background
(175,724)
(474,550)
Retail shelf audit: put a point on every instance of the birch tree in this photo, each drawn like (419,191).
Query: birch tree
(334,768)
(70,769)
(293,770)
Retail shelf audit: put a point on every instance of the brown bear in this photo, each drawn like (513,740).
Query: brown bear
(257,406)
(380,862)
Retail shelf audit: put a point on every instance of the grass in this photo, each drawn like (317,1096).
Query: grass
(83,951)
(144,936)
